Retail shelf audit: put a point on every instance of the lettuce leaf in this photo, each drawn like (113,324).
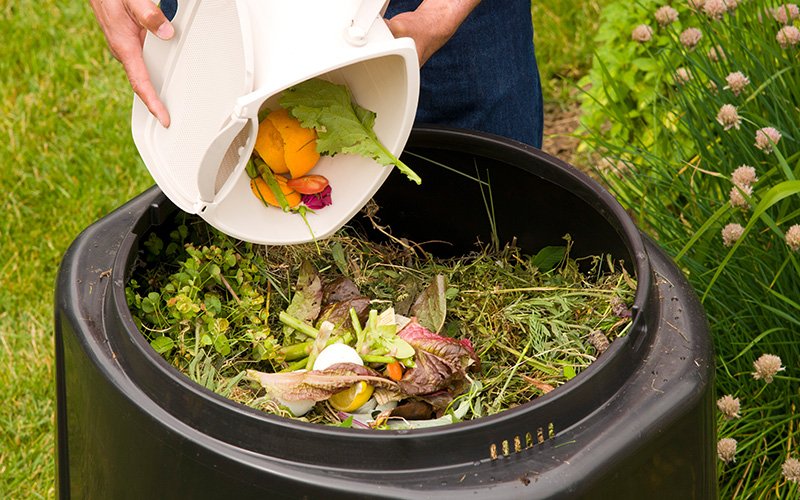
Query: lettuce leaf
(441,363)
(307,299)
(317,385)
(342,125)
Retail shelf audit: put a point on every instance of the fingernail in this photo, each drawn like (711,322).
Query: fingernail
(165,31)
(163,121)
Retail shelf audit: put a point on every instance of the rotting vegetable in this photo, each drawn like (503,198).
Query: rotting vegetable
(376,335)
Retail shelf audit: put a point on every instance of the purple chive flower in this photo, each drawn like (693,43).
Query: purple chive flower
(319,200)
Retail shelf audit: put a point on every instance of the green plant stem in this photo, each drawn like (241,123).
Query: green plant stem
(295,351)
(372,358)
(536,364)
(301,326)
(357,327)
(296,365)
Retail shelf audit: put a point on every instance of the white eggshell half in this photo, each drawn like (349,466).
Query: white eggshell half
(298,408)
(337,353)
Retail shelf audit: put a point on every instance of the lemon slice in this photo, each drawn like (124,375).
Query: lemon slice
(352,398)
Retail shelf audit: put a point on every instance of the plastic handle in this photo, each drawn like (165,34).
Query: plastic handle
(212,159)
(365,17)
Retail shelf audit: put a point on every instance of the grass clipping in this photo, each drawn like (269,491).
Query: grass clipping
(210,305)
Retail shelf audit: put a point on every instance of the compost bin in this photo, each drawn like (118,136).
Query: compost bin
(637,422)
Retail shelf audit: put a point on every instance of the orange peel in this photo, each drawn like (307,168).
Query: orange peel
(299,144)
(262,191)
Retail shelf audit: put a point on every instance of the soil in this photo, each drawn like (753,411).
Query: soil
(560,122)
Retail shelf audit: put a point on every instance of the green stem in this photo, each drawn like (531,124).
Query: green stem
(272,183)
(295,351)
(296,365)
(298,325)
(251,169)
(357,329)
(320,343)
(371,358)
(412,176)
(301,350)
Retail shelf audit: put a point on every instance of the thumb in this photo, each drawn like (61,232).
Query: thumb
(150,16)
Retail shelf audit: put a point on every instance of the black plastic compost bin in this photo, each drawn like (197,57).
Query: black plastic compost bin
(638,423)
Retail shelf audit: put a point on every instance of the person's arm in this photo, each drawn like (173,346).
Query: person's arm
(124,24)
(432,24)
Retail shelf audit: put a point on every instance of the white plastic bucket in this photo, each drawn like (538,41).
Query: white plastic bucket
(231,59)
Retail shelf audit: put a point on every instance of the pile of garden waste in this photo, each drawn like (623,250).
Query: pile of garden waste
(355,332)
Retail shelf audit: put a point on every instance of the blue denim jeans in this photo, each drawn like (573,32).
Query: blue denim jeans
(485,78)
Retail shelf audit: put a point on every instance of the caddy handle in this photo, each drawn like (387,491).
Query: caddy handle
(364,18)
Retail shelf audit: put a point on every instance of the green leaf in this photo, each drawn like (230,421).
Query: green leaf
(150,303)
(337,251)
(346,423)
(222,345)
(548,257)
(213,304)
(401,348)
(162,344)
(154,244)
(569,372)
(342,125)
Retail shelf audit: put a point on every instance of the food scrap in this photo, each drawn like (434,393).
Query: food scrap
(315,118)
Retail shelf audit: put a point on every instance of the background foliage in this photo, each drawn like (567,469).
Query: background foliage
(679,183)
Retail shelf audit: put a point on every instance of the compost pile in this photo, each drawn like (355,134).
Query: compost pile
(358,333)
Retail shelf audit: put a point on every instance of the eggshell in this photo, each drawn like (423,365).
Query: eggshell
(298,408)
(337,353)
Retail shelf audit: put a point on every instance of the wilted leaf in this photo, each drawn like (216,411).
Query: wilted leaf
(339,290)
(412,410)
(317,385)
(430,308)
(337,252)
(307,298)
(408,288)
(440,362)
(338,313)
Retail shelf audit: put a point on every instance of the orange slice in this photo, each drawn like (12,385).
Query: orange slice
(299,144)
(269,146)
(262,192)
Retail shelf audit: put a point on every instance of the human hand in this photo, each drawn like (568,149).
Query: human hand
(125,24)
(432,24)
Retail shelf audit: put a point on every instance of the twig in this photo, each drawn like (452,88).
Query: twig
(228,286)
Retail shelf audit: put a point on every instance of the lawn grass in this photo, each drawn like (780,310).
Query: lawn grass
(563,34)
(68,160)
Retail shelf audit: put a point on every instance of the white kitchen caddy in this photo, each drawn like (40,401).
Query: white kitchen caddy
(230,59)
